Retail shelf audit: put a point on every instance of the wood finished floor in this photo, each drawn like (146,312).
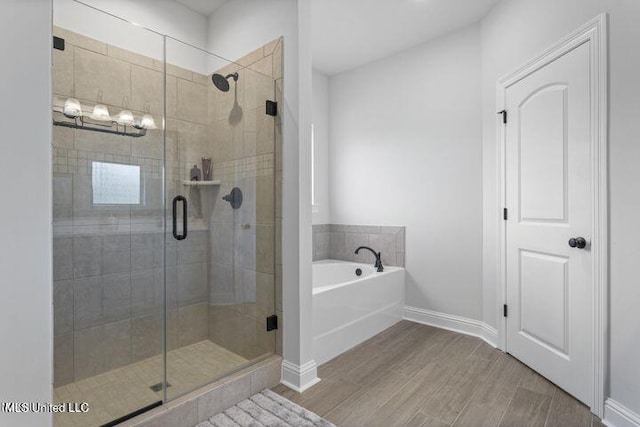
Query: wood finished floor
(416,375)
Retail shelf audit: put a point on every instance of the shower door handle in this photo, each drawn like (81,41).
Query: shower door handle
(184,217)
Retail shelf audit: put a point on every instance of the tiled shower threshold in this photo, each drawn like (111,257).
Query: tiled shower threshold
(124,390)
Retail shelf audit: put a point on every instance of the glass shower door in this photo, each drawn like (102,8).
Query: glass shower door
(220,165)
(164,207)
(108,215)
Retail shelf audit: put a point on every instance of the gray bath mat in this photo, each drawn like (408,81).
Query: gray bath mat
(266,409)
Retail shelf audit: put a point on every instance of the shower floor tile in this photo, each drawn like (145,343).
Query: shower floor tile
(124,390)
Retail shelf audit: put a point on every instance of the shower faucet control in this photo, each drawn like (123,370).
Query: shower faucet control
(234,198)
(378,264)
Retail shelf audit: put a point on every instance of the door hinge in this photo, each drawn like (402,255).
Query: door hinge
(505,214)
(58,43)
(504,310)
(272,322)
(504,116)
(272,108)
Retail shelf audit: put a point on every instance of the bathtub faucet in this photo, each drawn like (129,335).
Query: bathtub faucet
(378,265)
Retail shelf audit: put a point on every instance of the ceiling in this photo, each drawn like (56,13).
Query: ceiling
(348,33)
(203,7)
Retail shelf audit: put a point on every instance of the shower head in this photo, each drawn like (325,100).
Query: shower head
(222,82)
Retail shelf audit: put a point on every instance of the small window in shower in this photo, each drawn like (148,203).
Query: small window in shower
(115,184)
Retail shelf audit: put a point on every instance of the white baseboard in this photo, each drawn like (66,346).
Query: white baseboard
(617,415)
(489,335)
(299,378)
(463,325)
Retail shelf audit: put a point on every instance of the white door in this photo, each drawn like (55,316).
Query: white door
(549,201)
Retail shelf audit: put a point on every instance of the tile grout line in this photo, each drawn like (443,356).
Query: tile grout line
(507,406)
(484,381)
(553,398)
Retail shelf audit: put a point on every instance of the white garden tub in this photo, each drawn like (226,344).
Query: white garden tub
(349,309)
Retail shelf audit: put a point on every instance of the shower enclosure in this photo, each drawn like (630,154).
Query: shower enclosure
(164,207)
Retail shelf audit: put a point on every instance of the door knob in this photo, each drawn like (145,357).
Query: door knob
(577,242)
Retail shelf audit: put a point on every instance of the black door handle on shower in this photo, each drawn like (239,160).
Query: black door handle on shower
(184,217)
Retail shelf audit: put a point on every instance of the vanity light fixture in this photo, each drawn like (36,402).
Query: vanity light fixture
(125,117)
(100,111)
(72,108)
(124,124)
(147,122)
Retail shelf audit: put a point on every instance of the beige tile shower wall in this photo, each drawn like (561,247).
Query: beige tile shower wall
(337,241)
(246,261)
(108,260)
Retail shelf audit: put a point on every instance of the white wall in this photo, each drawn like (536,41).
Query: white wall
(405,149)
(235,29)
(516,31)
(162,16)
(321,213)
(241,26)
(26,320)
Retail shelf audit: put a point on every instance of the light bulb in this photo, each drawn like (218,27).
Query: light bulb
(101,113)
(125,117)
(72,108)
(147,122)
